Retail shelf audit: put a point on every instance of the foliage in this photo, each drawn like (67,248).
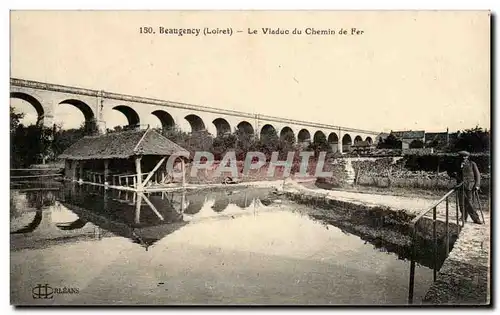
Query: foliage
(222,144)
(15,119)
(63,139)
(30,145)
(37,144)
(320,145)
(416,144)
(473,140)
(444,162)
(391,142)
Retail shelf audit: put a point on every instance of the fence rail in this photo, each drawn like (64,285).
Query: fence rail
(413,225)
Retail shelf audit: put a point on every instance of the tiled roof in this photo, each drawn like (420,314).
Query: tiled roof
(122,145)
(418,134)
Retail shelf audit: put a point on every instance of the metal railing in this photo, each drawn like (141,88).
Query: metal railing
(413,226)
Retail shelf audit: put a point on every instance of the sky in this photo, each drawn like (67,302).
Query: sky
(408,70)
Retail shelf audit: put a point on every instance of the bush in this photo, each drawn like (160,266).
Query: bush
(444,162)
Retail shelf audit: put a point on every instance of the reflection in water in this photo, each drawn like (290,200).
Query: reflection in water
(208,247)
(194,203)
(77,224)
(142,218)
(33,225)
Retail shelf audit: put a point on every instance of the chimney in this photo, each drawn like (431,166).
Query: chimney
(447,137)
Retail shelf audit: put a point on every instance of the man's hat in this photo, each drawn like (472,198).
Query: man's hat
(463,153)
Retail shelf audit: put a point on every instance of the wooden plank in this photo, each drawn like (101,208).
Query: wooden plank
(151,206)
(37,169)
(154,170)
(42,175)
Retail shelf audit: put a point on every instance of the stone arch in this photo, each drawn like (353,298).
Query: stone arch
(222,126)
(167,121)
(221,202)
(245,127)
(333,141)
(196,122)
(86,110)
(358,139)
(287,134)
(243,202)
(346,139)
(75,225)
(319,136)
(196,203)
(33,225)
(304,135)
(130,113)
(267,130)
(333,138)
(369,140)
(33,102)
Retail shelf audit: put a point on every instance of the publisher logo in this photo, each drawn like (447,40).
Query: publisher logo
(43,292)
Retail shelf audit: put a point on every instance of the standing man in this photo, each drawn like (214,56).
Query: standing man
(471,178)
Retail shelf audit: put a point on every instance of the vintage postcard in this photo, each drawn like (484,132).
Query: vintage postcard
(250,158)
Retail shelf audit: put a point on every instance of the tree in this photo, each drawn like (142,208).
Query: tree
(15,119)
(223,143)
(416,144)
(391,142)
(268,143)
(320,144)
(31,145)
(115,129)
(473,140)
(63,139)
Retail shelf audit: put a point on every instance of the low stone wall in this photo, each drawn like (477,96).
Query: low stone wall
(463,278)
(383,224)
(398,219)
(463,275)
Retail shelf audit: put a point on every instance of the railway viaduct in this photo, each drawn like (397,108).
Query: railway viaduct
(45,97)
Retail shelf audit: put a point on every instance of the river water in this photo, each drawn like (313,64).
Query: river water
(82,245)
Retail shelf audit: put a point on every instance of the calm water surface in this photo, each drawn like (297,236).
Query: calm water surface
(232,247)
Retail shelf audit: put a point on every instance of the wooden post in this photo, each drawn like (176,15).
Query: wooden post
(134,180)
(105,200)
(73,169)
(138,202)
(81,170)
(183,168)
(151,205)
(67,168)
(183,201)
(126,181)
(106,172)
(139,173)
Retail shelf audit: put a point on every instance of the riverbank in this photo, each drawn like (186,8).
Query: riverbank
(464,275)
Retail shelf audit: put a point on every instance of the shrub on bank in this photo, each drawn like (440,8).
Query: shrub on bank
(444,162)
(442,183)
